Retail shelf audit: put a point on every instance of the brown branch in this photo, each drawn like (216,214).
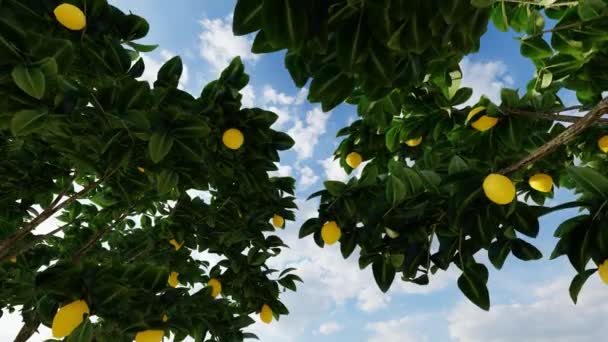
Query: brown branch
(27,330)
(64,191)
(563,138)
(98,236)
(554,116)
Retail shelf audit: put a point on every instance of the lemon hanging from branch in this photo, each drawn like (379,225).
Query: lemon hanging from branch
(150,336)
(499,189)
(68,317)
(278,221)
(353,159)
(484,122)
(413,142)
(266,314)
(173,281)
(233,139)
(602,143)
(70,17)
(216,287)
(541,182)
(603,271)
(331,233)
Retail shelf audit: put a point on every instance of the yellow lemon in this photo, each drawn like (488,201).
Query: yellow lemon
(150,336)
(13,259)
(173,282)
(603,271)
(68,317)
(331,232)
(141,169)
(176,244)
(266,314)
(353,159)
(233,139)
(165,318)
(216,287)
(413,142)
(484,123)
(541,182)
(499,189)
(603,143)
(278,221)
(70,16)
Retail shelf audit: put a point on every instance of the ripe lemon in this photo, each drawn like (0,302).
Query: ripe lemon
(13,259)
(484,123)
(353,159)
(216,287)
(413,142)
(233,139)
(173,282)
(266,314)
(541,182)
(603,143)
(141,169)
(603,271)
(165,318)
(278,221)
(150,336)
(68,317)
(499,189)
(176,244)
(331,232)
(70,16)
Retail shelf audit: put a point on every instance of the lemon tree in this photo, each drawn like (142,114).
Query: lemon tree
(446,180)
(133,183)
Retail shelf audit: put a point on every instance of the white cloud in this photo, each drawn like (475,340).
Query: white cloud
(284,117)
(333,170)
(307,177)
(486,78)
(153,65)
(549,316)
(306,133)
(218,45)
(283,171)
(329,328)
(271,96)
(301,96)
(248,100)
(406,329)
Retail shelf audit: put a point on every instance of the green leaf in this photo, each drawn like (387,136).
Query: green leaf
(82,333)
(461,96)
(351,42)
(498,252)
(312,225)
(482,3)
(142,47)
(330,87)
(285,22)
(473,286)
(577,283)
(535,48)
(591,9)
(392,138)
(30,80)
(247,17)
(509,97)
(159,146)
(589,180)
(170,73)
(384,273)
(500,18)
(27,121)
(335,188)
(395,191)
(348,242)
(457,165)
(525,251)
(570,225)
(166,181)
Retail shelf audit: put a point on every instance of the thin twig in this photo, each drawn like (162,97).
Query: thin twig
(64,191)
(98,236)
(563,138)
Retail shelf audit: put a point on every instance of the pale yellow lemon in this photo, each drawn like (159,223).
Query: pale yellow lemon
(233,139)
(172,281)
(68,317)
(70,17)
(541,182)
(499,189)
(353,159)
(331,233)
(602,143)
(141,169)
(176,244)
(266,314)
(216,287)
(278,221)
(603,271)
(484,122)
(150,336)
(165,318)
(413,142)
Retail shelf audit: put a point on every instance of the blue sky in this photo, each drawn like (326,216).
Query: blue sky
(338,302)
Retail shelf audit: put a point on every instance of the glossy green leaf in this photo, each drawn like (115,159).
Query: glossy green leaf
(30,80)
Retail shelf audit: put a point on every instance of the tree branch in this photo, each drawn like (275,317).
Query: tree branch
(554,116)
(563,138)
(27,330)
(98,236)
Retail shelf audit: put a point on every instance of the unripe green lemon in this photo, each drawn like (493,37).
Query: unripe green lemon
(541,182)
(266,314)
(70,16)
(484,123)
(413,142)
(150,336)
(603,271)
(331,233)
(278,221)
(499,189)
(216,287)
(68,317)
(603,143)
(233,139)
(173,282)
(353,159)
